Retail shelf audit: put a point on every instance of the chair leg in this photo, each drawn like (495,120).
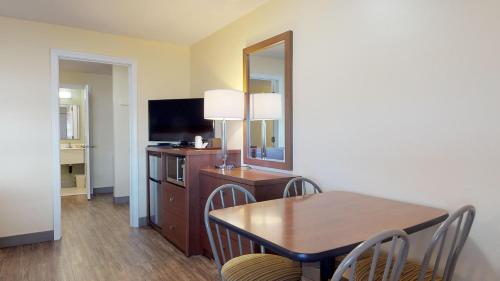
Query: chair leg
(326,268)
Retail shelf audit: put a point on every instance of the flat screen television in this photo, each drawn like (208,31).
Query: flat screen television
(178,120)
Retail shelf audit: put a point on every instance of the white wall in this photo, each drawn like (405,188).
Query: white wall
(121,132)
(26,183)
(101,124)
(393,98)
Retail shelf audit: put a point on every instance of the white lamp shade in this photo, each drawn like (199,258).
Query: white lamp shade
(265,106)
(224,104)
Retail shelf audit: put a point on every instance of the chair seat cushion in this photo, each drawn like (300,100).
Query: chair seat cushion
(261,267)
(410,271)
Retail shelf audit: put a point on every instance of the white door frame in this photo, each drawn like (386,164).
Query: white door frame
(86,140)
(55,56)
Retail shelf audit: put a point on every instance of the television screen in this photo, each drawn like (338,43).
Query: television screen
(178,120)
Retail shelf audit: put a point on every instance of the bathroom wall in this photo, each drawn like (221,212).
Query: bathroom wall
(101,123)
(76,99)
(67,178)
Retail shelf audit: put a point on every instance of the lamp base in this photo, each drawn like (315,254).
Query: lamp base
(224,167)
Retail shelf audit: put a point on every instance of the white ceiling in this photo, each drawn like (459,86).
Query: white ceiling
(86,67)
(178,21)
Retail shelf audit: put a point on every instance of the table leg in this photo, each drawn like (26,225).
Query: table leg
(326,268)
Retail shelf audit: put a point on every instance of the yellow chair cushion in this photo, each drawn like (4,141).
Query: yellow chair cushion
(261,267)
(410,271)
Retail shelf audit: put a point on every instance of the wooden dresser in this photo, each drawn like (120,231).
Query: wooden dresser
(263,185)
(173,200)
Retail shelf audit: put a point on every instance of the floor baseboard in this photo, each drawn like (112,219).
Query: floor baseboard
(143,221)
(102,190)
(121,200)
(23,239)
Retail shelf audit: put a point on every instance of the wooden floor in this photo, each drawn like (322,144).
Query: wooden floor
(98,244)
(70,191)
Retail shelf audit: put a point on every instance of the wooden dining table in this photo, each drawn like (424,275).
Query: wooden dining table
(323,226)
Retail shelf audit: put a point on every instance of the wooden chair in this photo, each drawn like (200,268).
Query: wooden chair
(234,261)
(460,223)
(307,186)
(393,262)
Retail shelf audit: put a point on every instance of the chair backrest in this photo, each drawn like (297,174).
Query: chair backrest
(300,186)
(225,196)
(460,223)
(394,263)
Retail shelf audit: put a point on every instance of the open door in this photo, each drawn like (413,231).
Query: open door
(88,146)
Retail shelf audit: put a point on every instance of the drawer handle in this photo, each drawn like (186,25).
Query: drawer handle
(171,199)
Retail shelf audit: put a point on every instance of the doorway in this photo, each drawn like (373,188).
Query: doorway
(74,128)
(130,101)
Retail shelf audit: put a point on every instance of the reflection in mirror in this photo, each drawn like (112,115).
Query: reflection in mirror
(69,120)
(267,82)
(69,114)
(266,129)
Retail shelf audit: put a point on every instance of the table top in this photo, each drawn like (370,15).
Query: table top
(315,227)
(189,151)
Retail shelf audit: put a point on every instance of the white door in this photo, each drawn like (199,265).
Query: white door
(88,146)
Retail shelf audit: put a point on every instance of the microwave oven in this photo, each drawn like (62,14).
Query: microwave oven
(176,172)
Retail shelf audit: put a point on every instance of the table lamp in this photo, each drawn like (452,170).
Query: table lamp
(224,105)
(264,107)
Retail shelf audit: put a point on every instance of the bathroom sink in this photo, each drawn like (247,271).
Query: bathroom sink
(70,156)
(64,146)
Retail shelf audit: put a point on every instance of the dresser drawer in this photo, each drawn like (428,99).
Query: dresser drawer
(174,200)
(209,184)
(174,229)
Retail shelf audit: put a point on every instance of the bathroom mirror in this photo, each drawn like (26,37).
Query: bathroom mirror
(69,120)
(267,68)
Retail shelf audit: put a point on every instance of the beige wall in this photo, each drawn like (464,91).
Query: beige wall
(121,131)
(393,98)
(26,182)
(101,124)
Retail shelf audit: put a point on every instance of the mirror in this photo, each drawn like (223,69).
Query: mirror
(69,120)
(268,89)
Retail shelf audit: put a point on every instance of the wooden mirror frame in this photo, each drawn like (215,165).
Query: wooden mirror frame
(287,39)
